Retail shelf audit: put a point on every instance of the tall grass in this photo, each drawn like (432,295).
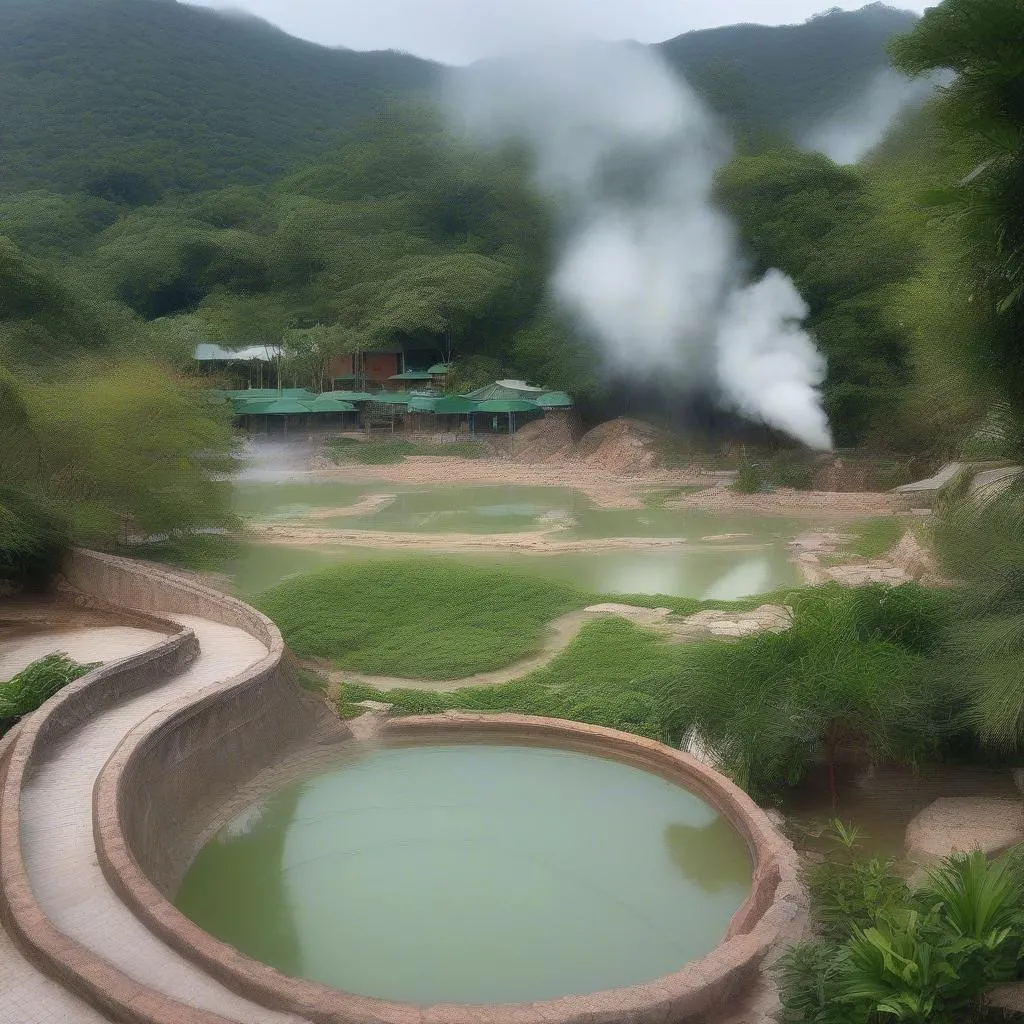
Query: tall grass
(383,453)
(980,543)
(604,678)
(855,668)
(35,685)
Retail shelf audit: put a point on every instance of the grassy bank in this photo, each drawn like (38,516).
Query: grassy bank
(433,618)
(384,453)
(606,677)
(417,617)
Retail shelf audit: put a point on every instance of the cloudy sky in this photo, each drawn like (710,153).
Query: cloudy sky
(459,31)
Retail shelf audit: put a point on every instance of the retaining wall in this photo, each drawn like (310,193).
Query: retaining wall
(169,777)
(702,989)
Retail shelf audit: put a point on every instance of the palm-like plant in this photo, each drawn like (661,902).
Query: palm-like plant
(980,543)
(983,109)
(853,668)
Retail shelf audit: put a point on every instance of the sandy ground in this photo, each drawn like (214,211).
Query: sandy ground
(84,645)
(609,491)
(605,490)
(533,542)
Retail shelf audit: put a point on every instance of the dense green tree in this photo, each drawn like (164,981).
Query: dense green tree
(983,110)
(150,96)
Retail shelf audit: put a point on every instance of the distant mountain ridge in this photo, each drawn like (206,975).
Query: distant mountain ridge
(175,96)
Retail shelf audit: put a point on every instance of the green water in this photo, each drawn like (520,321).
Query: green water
(720,572)
(473,873)
(491,509)
(294,499)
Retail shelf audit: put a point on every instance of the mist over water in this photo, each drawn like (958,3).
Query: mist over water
(647,264)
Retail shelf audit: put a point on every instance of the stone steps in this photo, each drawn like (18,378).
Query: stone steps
(69,890)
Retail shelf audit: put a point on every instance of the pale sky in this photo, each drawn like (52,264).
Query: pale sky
(460,31)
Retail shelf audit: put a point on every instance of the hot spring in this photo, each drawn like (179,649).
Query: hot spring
(473,872)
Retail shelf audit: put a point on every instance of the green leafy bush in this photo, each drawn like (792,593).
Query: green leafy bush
(852,669)
(382,453)
(847,891)
(920,956)
(35,685)
(33,539)
(749,479)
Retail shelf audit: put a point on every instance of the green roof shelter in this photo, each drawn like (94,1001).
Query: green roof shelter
(555,400)
(508,406)
(331,405)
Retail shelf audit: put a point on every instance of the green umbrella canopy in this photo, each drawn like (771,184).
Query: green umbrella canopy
(438,368)
(555,400)
(507,405)
(454,405)
(334,405)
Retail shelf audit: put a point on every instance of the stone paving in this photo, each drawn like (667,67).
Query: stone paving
(28,997)
(100,643)
(60,856)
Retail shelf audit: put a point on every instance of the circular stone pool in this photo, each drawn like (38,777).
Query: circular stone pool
(473,873)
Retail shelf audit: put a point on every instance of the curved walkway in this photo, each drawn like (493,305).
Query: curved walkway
(74,950)
(60,858)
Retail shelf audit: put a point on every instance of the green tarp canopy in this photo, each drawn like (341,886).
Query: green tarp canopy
(253,407)
(286,407)
(420,404)
(506,390)
(300,394)
(507,405)
(454,405)
(555,400)
(438,368)
(346,396)
(411,375)
(331,405)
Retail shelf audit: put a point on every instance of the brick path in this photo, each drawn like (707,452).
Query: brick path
(60,858)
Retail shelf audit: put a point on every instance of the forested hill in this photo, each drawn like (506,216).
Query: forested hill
(181,95)
(126,98)
(779,80)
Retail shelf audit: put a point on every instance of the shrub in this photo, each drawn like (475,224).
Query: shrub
(849,670)
(33,539)
(749,479)
(847,891)
(35,685)
(914,956)
(980,543)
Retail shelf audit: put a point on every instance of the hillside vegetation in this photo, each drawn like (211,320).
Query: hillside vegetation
(146,96)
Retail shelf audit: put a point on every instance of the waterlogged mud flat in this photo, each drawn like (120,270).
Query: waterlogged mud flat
(473,873)
(385,507)
(720,571)
(264,501)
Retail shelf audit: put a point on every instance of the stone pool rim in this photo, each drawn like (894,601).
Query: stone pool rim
(721,977)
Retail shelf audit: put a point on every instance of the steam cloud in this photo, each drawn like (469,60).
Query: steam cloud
(647,263)
(851,134)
